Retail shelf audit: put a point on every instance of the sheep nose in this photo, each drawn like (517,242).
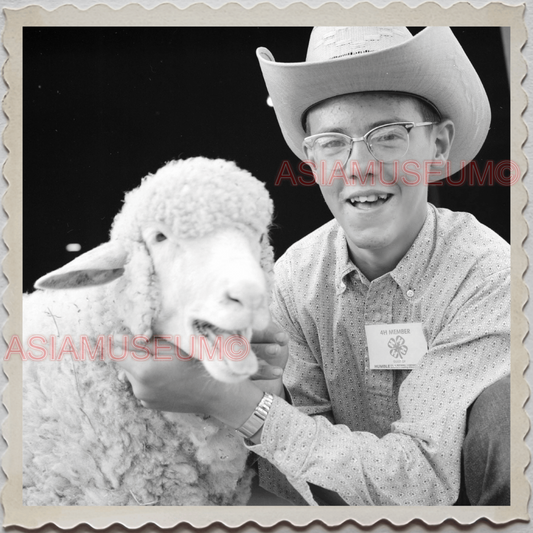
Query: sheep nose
(249,295)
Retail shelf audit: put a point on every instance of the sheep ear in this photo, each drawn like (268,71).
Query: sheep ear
(95,267)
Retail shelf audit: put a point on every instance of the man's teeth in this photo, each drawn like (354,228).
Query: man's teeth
(369,198)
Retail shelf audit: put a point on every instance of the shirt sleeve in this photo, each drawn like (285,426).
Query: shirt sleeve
(418,462)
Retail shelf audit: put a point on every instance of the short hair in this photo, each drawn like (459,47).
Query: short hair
(426,109)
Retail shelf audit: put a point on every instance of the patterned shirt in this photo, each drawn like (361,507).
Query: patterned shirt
(385,437)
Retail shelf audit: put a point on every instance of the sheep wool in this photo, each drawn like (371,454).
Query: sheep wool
(86,439)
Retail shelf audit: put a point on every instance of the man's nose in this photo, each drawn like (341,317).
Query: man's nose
(359,159)
(359,151)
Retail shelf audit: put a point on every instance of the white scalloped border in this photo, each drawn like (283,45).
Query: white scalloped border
(295,14)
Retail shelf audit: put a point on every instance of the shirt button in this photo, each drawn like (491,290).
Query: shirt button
(278,456)
(410,293)
(377,317)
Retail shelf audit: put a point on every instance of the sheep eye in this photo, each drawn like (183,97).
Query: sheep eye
(160,237)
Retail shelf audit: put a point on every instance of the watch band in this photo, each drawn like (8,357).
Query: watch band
(258,417)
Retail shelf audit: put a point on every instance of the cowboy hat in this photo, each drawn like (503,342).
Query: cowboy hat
(431,65)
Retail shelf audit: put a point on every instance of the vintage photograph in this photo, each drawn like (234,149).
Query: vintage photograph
(266,266)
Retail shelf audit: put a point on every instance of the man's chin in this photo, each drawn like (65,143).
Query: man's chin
(367,242)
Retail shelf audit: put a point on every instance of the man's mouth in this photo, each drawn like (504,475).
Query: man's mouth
(370,201)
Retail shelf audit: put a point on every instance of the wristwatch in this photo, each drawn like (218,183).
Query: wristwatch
(258,417)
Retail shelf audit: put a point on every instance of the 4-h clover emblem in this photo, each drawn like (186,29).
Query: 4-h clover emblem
(397,347)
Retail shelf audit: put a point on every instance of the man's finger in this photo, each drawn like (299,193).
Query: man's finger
(270,335)
(266,371)
(133,364)
(266,349)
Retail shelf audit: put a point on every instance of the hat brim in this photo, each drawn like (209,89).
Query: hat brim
(432,65)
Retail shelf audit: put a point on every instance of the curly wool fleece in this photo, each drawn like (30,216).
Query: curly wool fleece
(87,440)
(192,197)
(210,194)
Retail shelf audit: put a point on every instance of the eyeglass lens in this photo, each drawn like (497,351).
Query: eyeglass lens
(385,144)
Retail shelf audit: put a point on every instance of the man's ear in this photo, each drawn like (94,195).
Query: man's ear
(98,266)
(444,133)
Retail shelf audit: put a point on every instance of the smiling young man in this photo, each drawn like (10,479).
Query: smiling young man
(380,208)
(398,313)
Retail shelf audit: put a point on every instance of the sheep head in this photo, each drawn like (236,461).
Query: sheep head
(189,258)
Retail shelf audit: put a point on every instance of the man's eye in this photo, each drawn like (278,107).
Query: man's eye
(160,237)
(332,143)
(387,137)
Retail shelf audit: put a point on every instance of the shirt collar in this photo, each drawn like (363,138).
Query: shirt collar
(343,263)
(408,271)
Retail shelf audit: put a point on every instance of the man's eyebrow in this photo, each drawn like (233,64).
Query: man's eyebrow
(388,121)
(371,126)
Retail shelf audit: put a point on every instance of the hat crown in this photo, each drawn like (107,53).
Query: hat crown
(328,43)
(431,65)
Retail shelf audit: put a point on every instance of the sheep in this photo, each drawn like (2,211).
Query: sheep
(188,256)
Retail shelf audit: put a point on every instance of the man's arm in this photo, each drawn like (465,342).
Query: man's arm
(418,462)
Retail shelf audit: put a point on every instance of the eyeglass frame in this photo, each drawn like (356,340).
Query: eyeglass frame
(407,125)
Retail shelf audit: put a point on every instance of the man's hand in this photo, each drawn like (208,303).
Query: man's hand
(166,383)
(271,346)
(181,384)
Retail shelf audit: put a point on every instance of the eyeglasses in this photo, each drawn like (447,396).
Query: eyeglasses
(386,143)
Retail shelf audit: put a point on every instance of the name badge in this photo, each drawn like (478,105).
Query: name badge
(395,346)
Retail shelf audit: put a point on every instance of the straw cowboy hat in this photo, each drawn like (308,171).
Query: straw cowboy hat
(431,65)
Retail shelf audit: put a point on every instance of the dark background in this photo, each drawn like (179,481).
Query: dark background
(103,107)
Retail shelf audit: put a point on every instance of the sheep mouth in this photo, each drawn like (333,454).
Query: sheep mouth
(226,357)
(212,332)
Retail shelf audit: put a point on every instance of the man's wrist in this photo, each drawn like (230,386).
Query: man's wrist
(257,419)
(274,386)
(235,403)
